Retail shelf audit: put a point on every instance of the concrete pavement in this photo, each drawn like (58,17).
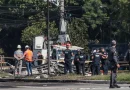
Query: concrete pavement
(57,86)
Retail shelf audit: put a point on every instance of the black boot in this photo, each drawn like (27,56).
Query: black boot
(117,86)
(111,86)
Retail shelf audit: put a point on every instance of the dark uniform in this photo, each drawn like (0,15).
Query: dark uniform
(96,63)
(82,59)
(40,61)
(104,63)
(68,61)
(127,55)
(113,57)
(76,62)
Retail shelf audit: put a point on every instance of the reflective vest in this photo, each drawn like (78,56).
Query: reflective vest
(28,54)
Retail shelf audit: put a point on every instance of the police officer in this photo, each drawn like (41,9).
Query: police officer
(96,57)
(104,57)
(82,58)
(127,55)
(113,57)
(67,59)
(76,62)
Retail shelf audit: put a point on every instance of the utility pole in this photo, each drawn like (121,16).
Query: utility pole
(48,38)
(62,21)
(63,36)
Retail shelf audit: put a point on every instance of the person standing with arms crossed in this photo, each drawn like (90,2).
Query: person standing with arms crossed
(18,55)
(113,57)
(28,56)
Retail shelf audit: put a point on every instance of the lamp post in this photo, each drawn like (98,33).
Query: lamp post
(48,38)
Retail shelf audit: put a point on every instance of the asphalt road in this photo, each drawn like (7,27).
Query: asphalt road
(57,86)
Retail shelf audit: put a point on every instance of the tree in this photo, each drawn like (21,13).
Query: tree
(36,18)
(37,29)
(119,11)
(94,14)
(78,32)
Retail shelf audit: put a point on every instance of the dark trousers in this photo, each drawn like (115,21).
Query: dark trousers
(77,64)
(105,67)
(113,76)
(129,66)
(68,66)
(96,69)
(82,67)
(39,62)
(29,67)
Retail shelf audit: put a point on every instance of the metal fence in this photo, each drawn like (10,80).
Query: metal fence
(7,65)
(56,67)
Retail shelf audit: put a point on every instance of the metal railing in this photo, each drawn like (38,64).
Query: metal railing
(57,67)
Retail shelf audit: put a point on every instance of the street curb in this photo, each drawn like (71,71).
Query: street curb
(61,81)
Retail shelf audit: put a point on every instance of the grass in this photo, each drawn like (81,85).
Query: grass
(122,76)
(5,75)
(80,77)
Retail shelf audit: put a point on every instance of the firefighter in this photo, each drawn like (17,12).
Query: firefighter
(104,60)
(96,57)
(127,55)
(82,58)
(113,57)
(67,59)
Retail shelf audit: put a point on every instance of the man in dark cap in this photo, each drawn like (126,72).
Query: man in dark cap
(127,55)
(113,57)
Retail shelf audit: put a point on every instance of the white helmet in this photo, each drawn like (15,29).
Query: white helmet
(26,46)
(19,46)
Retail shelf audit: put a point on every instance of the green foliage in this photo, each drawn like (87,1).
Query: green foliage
(94,14)
(85,23)
(78,31)
(1,51)
(29,33)
(38,28)
(119,12)
(37,21)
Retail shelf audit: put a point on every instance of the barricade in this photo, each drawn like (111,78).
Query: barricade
(6,66)
(56,67)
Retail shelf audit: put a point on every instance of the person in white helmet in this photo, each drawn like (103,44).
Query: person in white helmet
(28,56)
(18,55)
